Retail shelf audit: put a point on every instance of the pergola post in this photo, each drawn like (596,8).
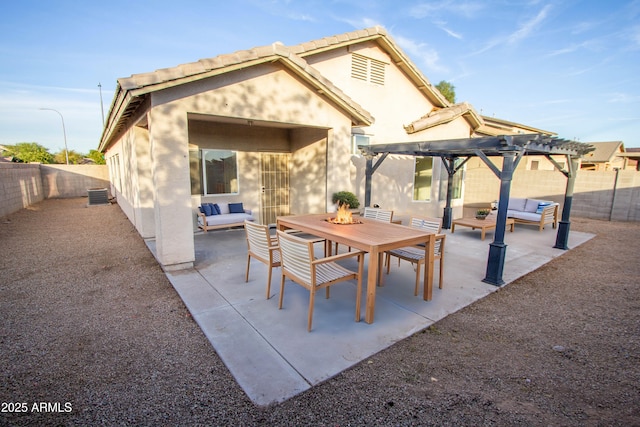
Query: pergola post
(368,174)
(446,219)
(498,249)
(367,180)
(562,237)
(452,169)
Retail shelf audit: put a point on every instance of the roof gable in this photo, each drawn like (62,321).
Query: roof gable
(385,41)
(131,91)
(439,116)
(604,151)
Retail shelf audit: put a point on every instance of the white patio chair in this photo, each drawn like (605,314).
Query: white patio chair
(378,214)
(263,247)
(299,265)
(415,254)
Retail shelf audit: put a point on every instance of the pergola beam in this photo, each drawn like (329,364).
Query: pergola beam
(511,148)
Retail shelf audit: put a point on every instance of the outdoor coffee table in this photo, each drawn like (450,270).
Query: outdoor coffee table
(489,223)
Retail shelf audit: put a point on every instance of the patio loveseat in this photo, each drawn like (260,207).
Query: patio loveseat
(533,211)
(213,216)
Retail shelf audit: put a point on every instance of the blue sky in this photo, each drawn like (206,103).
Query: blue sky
(571,67)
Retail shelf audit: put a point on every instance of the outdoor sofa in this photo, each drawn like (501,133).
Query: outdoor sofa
(533,211)
(212,216)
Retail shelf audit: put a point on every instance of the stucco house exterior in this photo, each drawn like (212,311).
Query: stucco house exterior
(276,127)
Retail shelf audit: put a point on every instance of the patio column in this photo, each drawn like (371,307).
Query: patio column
(562,237)
(370,169)
(450,165)
(367,180)
(498,249)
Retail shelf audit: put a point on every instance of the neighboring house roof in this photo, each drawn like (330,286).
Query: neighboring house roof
(604,151)
(494,127)
(439,116)
(131,91)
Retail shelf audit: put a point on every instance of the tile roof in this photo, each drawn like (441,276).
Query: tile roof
(439,116)
(604,151)
(130,89)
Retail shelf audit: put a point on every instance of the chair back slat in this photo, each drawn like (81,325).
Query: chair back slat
(258,239)
(427,224)
(297,255)
(378,214)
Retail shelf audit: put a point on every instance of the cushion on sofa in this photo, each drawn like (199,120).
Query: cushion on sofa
(532,205)
(527,216)
(224,208)
(236,208)
(216,208)
(516,204)
(207,209)
(541,206)
(237,218)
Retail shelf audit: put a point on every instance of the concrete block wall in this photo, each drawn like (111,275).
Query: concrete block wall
(62,181)
(20,186)
(597,194)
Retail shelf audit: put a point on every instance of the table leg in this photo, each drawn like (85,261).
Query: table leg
(374,262)
(429,258)
(482,232)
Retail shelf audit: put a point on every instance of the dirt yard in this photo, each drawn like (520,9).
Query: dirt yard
(94,334)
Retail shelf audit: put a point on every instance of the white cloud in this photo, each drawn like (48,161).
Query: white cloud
(361,23)
(443,26)
(528,27)
(421,52)
(524,31)
(432,9)
(634,36)
(623,98)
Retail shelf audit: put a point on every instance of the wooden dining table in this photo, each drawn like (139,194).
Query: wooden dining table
(374,237)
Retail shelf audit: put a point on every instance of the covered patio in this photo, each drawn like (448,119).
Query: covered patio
(269,351)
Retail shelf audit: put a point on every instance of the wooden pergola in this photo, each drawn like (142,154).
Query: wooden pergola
(511,148)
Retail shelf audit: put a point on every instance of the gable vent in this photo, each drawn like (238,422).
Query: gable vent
(367,69)
(359,67)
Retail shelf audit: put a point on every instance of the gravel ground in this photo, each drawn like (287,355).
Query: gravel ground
(94,334)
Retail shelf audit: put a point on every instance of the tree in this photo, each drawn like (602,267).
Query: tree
(97,157)
(447,90)
(74,157)
(28,152)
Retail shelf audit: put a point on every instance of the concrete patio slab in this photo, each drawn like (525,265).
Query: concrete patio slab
(270,352)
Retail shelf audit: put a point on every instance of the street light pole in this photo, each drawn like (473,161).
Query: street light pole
(64,132)
(101,104)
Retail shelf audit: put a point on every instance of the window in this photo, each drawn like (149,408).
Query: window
(217,173)
(358,139)
(535,164)
(423,171)
(114,170)
(367,69)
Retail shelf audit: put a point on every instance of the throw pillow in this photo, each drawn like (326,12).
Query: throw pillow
(216,209)
(236,208)
(541,207)
(206,208)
